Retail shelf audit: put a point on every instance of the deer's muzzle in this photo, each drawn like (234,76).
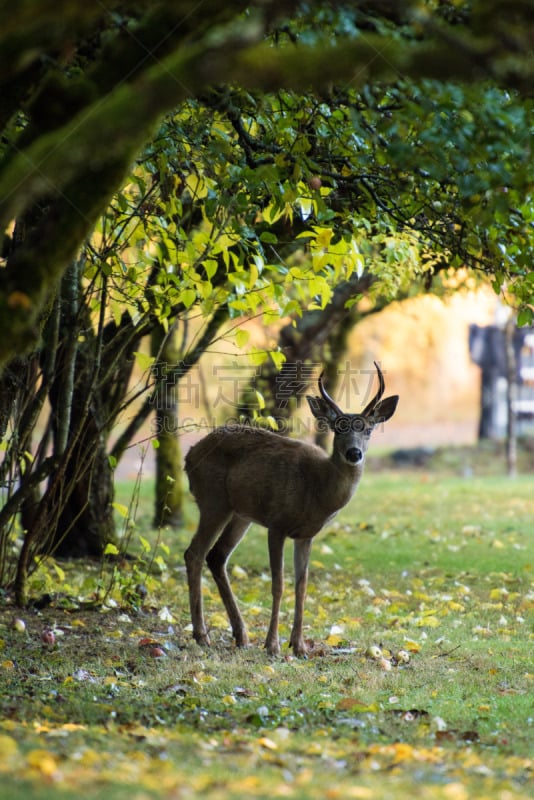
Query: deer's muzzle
(354,455)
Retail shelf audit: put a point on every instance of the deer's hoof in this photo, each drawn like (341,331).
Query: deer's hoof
(241,640)
(299,648)
(202,639)
(273,648)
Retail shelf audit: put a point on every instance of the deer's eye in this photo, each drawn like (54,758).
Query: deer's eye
(357,425)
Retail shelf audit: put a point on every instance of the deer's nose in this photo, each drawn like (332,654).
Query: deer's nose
(354,455)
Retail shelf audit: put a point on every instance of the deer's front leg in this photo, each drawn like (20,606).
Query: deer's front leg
(194,564)
(301,559)
(276,559)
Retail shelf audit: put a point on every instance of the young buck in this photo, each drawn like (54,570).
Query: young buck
(239,475)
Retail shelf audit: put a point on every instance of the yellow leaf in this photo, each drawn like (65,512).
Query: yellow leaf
(403,752)
(89,758)
(229,700)
(8,748)
(271,213)
(354,704)
(246,786)
(218,621)
(43,761)
(359,793)
(324,235)
(197,186)
(455,791)
(73,726)
(334,640)
(428,622)
(267,743)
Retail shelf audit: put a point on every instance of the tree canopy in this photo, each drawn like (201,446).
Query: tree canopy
(83,88)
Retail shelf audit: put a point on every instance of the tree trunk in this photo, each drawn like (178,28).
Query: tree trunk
(168,500)
(85,523)
(79,513)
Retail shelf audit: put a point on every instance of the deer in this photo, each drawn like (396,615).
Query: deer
(240,474)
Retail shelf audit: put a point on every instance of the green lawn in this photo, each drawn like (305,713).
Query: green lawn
(439,568)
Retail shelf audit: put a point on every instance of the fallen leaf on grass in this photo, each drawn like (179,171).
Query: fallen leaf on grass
(8,748)
(44,762)
(267,743)
(357,705)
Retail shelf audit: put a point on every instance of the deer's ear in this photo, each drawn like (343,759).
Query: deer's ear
(385,409)
(322,411)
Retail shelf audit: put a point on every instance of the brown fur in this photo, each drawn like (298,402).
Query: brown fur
(243,474)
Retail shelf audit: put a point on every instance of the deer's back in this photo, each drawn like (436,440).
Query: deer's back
(265,477)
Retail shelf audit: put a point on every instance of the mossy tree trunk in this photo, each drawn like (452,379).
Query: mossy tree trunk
(79,509)
(168,500)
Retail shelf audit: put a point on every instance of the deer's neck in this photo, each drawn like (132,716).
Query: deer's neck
(343,479)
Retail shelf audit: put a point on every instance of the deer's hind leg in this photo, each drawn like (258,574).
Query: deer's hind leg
(217,559)
(209,528)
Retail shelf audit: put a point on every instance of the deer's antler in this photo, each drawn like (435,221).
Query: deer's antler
(326,397)
(381,386)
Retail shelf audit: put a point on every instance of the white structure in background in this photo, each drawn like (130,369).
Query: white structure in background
(487,346)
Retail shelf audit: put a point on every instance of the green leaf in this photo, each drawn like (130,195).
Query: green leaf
(111,549)
(241,337)
(121,509)
(525,317)
(268,237)
(278,358)
(144,360)
(188,297)
(210,265)
(257,357)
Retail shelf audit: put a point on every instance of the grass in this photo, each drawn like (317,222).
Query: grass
(438,566)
